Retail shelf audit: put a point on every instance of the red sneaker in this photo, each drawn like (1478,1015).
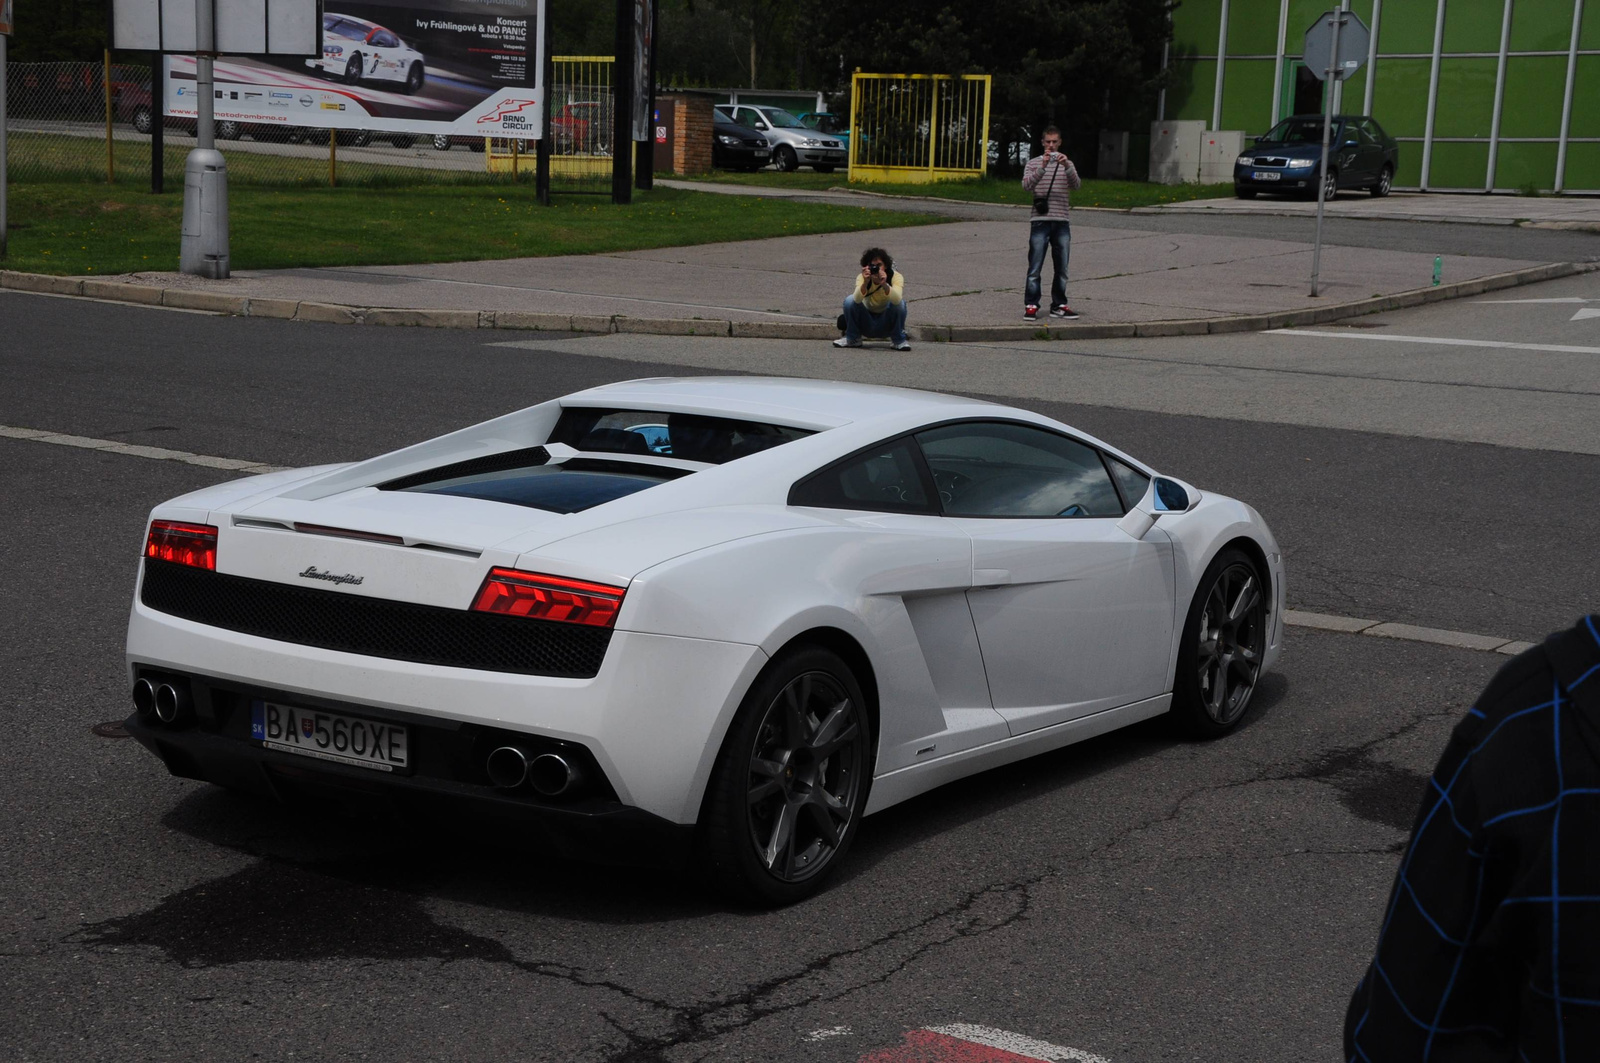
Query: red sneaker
(1030,313)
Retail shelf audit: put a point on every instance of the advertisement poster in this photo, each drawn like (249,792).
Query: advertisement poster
(426,67)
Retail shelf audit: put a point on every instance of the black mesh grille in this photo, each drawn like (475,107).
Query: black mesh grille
(375,627)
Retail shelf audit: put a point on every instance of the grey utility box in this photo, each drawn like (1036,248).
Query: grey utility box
(204,249)
(1113,154)
(1217,154)
(1175,151)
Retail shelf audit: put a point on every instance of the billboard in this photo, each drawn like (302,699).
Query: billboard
(425,67)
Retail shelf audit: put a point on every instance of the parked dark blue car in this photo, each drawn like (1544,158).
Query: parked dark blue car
(1288,159)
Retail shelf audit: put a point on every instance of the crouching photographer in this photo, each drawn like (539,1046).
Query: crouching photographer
(877,308)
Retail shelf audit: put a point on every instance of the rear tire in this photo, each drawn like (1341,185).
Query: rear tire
(1385,179)
(1224,643)
(142,121)
(789,786)
(441,142)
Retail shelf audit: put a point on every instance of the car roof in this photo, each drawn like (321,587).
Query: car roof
(815,404)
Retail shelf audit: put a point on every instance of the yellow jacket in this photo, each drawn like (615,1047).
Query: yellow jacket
(880,297)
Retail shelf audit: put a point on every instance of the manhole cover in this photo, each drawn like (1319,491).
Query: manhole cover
(110,729)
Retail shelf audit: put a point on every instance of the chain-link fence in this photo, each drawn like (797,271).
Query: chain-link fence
(78,121)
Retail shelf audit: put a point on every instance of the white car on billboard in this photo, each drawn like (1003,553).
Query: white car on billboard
(354,49)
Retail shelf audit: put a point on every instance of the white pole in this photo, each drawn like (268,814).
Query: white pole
(1566,105)
(1372,59)
(1330,73)
(1222,55)
(1433,94)
(2,145)
(1337,88)
(1499,99)
(1277,62)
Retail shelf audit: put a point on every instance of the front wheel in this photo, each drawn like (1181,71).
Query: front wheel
(1224,642)
(228,130)
(790,783)
(352,69)
(786,160)
(1330,187)
(142,121)
(414,78)
(1385,179)
(441,142)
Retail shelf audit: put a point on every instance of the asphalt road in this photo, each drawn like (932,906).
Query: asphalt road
(1136,896)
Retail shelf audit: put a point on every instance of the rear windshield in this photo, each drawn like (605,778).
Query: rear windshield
(569,487)
(691,437)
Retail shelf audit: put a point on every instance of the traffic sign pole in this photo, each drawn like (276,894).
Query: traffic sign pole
(1330,80)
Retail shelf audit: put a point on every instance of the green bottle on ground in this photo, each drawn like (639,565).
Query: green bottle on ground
(1438,268)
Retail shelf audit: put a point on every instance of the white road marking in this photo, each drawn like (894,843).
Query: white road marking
(1291,617)
(1556,348)
(1017,1044)
(1588,311)
(112,446)
(831,1031)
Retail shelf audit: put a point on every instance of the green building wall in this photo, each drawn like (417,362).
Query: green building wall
(1450,56)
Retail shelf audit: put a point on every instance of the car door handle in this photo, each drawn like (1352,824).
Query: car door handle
(991,577)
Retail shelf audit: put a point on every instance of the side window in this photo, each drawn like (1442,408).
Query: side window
(998,469)
(884,478)
(1130,481)
(385,39)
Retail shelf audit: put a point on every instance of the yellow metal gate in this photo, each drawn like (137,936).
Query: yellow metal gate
(581,127)
(918,127)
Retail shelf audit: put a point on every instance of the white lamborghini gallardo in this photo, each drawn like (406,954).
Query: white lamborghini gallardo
(725,617)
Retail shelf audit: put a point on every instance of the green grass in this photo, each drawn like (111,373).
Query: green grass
(1094,193)
(94,229)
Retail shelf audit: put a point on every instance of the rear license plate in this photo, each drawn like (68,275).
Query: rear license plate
(330,736)
(1260,175)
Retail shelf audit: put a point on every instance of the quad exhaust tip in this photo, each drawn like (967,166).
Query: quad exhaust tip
(507,767)
(144,698)
(548,773)
(170,703)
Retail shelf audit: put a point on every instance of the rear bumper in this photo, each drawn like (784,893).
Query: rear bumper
(653,718)
(594,827)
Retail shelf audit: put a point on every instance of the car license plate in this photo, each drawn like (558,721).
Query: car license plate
(759,154)
(1261,175)
(330,736)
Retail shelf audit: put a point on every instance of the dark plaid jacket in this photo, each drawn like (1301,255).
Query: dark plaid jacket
(1490,947)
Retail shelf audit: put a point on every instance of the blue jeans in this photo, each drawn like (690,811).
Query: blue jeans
(1059,234)
(859,322)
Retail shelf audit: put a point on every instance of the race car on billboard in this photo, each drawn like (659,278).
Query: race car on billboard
(354,49)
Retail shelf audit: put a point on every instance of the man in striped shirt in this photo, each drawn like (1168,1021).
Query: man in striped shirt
(1051,177)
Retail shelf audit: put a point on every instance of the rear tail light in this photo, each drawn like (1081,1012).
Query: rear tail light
(183,544)
(569,601)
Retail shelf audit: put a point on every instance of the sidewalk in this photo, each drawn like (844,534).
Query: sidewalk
(1574,212)
(964,280)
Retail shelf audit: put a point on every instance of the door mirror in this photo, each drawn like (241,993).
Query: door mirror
(1164,495)
(1262,139)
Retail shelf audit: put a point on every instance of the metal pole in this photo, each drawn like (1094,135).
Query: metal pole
(1566,102)
(1277,62)
(3,39)
(622,107)
(1499,98)
(333,158)
(1372,59)
(1327,128)
(541,175)
(158,124)
(1433,95)
(1222,55)
(205,36)
(105,85)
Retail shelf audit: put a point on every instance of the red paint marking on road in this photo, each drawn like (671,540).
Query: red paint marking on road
(925,1046)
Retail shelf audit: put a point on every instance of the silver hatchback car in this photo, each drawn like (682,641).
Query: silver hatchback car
(793,145)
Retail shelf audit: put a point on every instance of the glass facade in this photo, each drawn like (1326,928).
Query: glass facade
(1482,94)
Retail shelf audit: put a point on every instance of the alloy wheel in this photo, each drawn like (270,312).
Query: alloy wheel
(1231,640)
(1330,186)
(805,775)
